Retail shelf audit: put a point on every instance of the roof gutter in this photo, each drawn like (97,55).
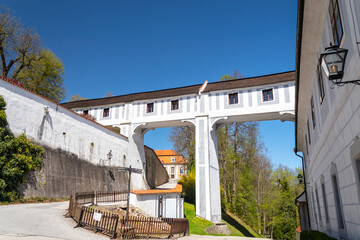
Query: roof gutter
(299,30)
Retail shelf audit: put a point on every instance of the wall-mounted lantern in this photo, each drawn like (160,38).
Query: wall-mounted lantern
(333,63)
(300,178)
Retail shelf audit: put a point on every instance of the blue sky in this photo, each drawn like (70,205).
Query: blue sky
(134,46)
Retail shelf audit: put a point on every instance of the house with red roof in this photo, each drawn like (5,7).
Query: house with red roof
(174,163)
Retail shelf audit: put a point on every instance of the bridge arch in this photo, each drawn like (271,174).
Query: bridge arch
(208,107)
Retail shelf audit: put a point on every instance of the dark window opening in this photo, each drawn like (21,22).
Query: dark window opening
(106,112)
(150,107)
(325,203)
(233,98)
(308,128)
(337,202)
(174,105)
(85,112)
(268,95)
(321,84)
(313,112)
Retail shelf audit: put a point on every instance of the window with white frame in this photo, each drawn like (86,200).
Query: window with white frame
(318,205)
(150,107)
(313,112)
(335,21)
(106,112)
(267,95)
(320,84)
(233,98)
(172,159)
(175,105)
(325,200)
(340,218)
(181,170)
(308,128)
(172,175)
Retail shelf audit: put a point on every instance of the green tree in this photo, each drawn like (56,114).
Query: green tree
(44,76)
(25,60)
(183,140)
(18,45)
(17,157)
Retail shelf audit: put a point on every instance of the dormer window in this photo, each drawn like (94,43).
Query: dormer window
(233,98)
(106,112)
(172,159)
(268,95)
(175,105)
(150,107)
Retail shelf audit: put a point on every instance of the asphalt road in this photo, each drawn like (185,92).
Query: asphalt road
(43,221)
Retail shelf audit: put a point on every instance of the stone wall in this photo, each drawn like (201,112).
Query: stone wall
(64,173)
(156,173)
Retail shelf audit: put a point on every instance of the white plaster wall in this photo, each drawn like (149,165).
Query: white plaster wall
(337,128)
(62,128)
(215,105)
(173,205)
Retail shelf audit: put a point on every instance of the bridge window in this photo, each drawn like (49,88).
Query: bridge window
(85,112)
(106,112)
(150,107)
(233,98)
(267,95)
(335,20)
(175,105)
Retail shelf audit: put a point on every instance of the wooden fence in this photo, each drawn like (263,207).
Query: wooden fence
(110,224)
(99,221)
(145,227)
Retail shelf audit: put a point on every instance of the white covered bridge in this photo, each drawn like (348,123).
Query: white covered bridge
(207,108)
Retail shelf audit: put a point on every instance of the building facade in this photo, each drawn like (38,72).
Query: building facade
(174,163)
(328,116)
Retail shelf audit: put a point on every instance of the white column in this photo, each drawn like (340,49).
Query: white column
(208,202)
(136,157)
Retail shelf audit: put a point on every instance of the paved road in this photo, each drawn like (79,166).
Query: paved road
(45,221)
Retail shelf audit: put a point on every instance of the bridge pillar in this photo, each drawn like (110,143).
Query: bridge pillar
(208,201)
(136,154)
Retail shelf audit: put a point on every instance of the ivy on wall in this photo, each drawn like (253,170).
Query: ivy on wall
(18,156)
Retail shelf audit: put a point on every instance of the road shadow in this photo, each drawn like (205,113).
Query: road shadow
(236,224)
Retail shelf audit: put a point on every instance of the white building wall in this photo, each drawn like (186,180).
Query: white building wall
(215,104)
(335,135)
(173,204)
(49,124)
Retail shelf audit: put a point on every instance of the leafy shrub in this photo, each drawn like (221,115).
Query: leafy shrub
(188,183)
(315,235)
(17,157)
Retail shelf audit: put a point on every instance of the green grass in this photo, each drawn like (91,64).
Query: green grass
(199,225)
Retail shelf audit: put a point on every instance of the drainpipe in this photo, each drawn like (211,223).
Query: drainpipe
(306,194)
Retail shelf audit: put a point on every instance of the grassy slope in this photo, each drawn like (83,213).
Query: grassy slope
(198,225)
